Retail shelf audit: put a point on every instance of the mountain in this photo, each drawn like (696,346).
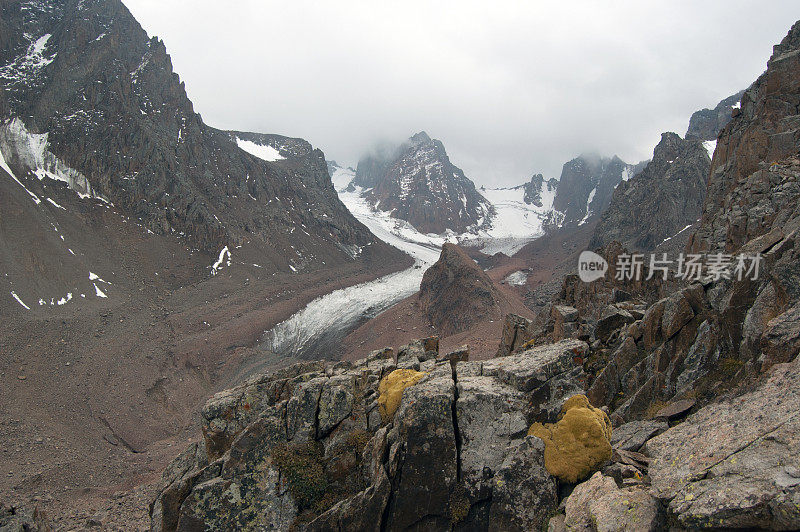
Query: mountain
(90,99)
(631,404)
(417,182)
(661,200)
(751,189)
(586,185)
(143,252)
(666,198)
(707,123)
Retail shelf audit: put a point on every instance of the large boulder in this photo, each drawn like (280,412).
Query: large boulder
(632,436)
(781,340)
(525,495)
(490,414)
(517,331)
(599,505)
(611,319)
(734,464)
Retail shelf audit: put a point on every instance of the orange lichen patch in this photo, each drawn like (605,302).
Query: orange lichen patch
(578,443)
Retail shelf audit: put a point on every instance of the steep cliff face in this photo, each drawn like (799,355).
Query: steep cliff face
(707,123)
(752,188)
(661,200)
(419,184)
(586,185)
(84,83)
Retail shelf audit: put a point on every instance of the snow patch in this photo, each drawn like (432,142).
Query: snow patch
(15,296)
(342,177)
(710,146)
(98,292)
(5,167)
(217,266)
(676,234)
(55,204)
(262,151)
(518,278)
(29,64)
(30,150)
(588,202)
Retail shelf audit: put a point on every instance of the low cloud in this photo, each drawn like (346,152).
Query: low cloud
(511,88)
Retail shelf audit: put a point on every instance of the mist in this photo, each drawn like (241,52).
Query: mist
(511,88)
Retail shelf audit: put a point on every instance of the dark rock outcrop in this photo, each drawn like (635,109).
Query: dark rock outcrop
(454,454)
(707,123)
(417,182)
(661,201)
(753,186)
(536,186)
(455,293)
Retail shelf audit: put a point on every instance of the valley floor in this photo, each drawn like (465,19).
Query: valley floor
(97,400)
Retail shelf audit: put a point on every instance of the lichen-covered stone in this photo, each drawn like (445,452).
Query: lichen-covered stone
(735,464)
(391,390)
(578,443)
(599,505)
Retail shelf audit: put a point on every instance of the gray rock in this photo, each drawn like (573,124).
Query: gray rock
(335,404)
(301,411)
(631,436)
(599,505)
(781,339)
(611,319)
(725,465)
(516,331)
(530,369)
(677,313)
(424,423)
(489,414)
(525,495)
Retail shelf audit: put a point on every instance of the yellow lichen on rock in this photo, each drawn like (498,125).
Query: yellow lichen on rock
(578,443)
(390,390)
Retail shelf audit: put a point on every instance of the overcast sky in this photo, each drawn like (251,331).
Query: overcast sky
(511,88)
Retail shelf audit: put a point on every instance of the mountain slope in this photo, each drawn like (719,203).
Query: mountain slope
(418,183)
(707,123)
(119,122)
(663,199)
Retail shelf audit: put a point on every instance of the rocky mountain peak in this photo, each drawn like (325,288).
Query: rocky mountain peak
(660,201)
(586,185)
(420,138)
(111,113)
(455,292)
(707,123)
(417,182)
